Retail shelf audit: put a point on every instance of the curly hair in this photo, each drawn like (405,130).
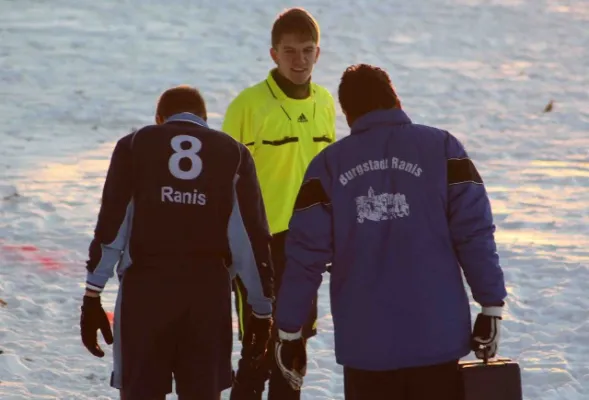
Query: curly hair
(364,88)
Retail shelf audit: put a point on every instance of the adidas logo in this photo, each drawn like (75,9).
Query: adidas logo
(302,118)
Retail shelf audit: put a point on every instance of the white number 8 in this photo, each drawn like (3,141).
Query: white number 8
(190,153)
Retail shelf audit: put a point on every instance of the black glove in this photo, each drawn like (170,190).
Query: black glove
(486,333)
(255,339)
(253,370)
(92,319)
(291,357)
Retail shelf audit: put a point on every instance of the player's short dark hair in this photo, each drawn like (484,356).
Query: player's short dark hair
(295,21)
(364,88)
(180,99)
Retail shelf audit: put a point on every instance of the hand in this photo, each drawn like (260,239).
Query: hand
(92,319)
(291,357)
(486,333)
(255,339)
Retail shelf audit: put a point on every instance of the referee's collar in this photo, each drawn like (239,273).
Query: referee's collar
(187,117)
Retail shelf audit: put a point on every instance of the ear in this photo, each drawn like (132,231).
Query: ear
(317,53)
(158,119)
(274,55)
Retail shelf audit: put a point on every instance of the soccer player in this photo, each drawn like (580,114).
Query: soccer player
(399,209)
(285,120)
(180,205)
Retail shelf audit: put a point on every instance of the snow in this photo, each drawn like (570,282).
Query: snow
(77,75)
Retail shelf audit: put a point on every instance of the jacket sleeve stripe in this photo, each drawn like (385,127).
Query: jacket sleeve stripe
(462,170)
(243,259)
(108,255)
(311,194)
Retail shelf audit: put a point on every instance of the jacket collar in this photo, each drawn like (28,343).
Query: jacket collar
(187,117)
(278,93)
(392,116)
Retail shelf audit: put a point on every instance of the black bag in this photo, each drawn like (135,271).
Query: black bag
(498,379)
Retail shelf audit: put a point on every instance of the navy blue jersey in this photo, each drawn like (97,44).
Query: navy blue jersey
(178,196)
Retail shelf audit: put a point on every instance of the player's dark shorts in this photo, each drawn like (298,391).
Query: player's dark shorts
(173,326)
(279,260)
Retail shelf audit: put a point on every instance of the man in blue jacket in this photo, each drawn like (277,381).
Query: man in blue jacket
(400,210)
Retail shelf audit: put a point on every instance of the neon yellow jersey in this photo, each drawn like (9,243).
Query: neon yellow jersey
(284,135)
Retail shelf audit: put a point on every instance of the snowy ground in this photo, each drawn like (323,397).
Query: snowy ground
(76,75)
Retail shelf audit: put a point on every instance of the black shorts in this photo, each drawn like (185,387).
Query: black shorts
(173,328)
(279,260)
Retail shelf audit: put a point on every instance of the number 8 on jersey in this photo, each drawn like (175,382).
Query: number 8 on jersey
(168,193)
(191,153)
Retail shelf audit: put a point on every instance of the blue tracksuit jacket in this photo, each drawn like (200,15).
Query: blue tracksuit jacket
(399,209)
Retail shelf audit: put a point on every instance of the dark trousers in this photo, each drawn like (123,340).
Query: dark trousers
(436,382)
(278,386)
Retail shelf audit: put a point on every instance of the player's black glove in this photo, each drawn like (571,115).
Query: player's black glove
(92,319)
(486,333)
(252,371)
(291,357)
(255,338)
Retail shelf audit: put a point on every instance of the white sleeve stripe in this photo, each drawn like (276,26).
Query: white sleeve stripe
(459,183)
(93,287)
(312,205)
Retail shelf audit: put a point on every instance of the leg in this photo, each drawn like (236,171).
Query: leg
(153,398)
(277,247)
(181,397)
(242,307)
(360,384)
(143,347)
(440,382)
(202,361)
(278,387)
(248,385)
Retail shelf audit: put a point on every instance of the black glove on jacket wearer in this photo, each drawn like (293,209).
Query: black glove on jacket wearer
(486,333)
(291,357)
